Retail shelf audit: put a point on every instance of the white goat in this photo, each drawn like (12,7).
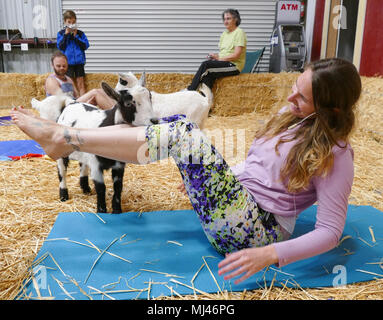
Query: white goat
(193,104)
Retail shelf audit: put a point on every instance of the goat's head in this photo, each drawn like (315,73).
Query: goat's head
(134,104)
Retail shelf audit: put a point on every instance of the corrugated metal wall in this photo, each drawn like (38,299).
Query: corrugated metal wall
(164,36)
(33,18)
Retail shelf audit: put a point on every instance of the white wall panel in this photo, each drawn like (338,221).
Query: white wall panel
(164,36)
(34,18)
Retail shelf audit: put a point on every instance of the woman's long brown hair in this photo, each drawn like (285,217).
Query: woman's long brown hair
(336,87)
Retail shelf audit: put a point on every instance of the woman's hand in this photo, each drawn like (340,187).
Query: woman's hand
(213,56)
(246,262)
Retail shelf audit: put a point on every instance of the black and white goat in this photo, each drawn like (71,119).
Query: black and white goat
(133,107)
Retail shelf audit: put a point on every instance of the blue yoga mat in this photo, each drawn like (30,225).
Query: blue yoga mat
(18,148)
(161,253)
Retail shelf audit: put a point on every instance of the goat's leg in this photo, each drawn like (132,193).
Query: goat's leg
(118,176)
(62,165)
(99,184)
(84,180)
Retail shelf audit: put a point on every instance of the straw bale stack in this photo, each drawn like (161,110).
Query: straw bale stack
(251,93)
(16,89)
(40,86)
(168,82)
(232,95)
(29,201)
(93,80)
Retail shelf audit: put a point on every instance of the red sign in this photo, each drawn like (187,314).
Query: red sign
(289,6)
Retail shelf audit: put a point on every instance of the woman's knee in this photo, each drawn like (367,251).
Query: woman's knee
(204,66)
(95,92)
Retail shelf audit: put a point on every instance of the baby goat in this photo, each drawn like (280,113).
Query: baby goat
(133,107)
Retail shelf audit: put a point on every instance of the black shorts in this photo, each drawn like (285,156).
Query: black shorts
(75,71)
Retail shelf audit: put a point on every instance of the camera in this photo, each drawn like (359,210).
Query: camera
(71,26)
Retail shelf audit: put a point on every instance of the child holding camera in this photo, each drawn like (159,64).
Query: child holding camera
(73,43)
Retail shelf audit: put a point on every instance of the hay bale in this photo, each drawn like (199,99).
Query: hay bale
(251,92)
(168,82)
(16,88)
(93,80)
(40,86)
(369,118)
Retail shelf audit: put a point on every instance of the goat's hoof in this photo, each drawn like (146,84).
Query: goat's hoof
(86,190)
(64,196)
(117,211)
(84,184)
(102,210)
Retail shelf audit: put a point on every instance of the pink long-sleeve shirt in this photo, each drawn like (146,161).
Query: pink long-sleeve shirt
(259,173)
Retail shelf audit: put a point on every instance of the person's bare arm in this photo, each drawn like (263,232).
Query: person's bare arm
(52,87)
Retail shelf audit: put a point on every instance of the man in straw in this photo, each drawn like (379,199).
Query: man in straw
(58,83)
(248,212)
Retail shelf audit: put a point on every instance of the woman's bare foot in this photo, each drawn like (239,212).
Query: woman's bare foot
(53,138)
(25,111)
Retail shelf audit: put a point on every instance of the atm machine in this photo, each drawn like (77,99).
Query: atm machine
(288,49)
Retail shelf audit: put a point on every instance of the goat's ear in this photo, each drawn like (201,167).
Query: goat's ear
(122,75)
(142,81)
(110,91)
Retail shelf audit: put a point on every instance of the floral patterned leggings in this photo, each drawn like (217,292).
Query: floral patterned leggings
(228,213)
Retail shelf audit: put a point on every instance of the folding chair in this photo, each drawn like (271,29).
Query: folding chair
(252,60)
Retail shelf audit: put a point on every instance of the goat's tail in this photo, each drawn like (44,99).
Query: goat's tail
(206,91)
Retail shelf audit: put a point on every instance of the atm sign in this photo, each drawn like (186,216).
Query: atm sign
(288,12)
(289,6)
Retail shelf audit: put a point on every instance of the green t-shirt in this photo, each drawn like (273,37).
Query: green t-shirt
(230,40)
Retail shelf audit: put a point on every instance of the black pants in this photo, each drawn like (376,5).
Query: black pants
(76,71)
(210,70)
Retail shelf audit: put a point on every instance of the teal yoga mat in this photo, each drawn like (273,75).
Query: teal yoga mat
(159,253)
